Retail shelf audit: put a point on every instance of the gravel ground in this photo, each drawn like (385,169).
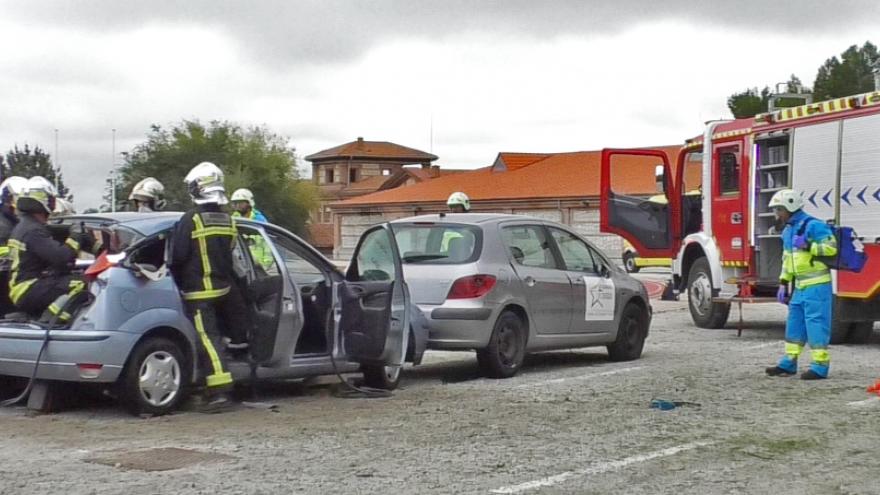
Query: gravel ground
(571,422)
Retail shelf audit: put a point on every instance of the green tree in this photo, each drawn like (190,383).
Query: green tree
(850,74)
(28,162)
(748,103)
(250,157)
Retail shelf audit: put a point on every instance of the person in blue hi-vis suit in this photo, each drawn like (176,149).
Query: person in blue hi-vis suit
(809,308)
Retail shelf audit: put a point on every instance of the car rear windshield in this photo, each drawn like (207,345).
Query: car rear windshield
(438,244)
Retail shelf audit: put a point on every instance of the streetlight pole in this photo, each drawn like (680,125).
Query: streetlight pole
(57,161)
(113,176)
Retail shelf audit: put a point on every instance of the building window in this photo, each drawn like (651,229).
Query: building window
(353,175)
(386,171)
(329,176)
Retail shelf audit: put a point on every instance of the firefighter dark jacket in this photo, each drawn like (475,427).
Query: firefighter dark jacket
(201,259)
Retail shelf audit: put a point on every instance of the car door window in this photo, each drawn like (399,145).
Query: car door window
(302,271)
(258,251)
(575,253)
(527,245)
(375,258)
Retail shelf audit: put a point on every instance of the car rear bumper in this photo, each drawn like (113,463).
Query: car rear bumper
(66,350)
(458,328)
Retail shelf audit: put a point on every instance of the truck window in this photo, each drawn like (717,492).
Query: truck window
(728,170)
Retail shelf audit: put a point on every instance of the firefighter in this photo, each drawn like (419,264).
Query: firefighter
(202,265)
(9,191)
(809,306)
(40,281)
(147,195)
(458,202)
(244,206)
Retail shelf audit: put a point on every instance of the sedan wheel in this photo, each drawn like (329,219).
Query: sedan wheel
(155,379)
(506,351)
(631,335)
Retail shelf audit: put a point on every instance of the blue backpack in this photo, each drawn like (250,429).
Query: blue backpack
(851,256)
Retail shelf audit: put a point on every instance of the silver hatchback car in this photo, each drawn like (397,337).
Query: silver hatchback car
(506,285)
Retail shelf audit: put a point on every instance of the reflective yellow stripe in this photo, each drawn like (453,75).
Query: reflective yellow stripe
(794,350)
(17,291)
(820,356)
(54,309)
(219,377)
(209,231)
(4,251)
(71,243)
(826,247)
(205,294)
(203,252)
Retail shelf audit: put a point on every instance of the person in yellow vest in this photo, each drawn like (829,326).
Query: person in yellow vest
(10,189)
(809,306)
(244,206)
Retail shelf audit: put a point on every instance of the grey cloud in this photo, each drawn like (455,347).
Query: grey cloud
(327,31)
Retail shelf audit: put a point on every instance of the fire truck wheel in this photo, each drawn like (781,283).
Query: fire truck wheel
(704,312)
(629,263)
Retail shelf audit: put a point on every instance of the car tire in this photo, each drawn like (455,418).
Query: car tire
(704,312)
(382,377)
(629,263)
(156,378)
(631,334)
(504,355)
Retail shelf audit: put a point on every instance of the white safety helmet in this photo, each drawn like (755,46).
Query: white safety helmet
(38,196)
(460,199)
(243,195)
(11,188)
(205,184)
(787,199)
(147,190)
(63,207)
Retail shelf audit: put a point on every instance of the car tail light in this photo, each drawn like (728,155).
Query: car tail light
(89,370)
(101,264)
(471,287)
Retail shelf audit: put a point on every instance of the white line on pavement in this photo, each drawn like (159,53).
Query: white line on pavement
(579,377)
(862,403)
(598,468)
(765,344)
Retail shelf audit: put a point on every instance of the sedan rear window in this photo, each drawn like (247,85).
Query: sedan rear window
(438,244)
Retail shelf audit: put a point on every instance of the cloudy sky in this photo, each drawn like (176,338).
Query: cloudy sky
(487,76)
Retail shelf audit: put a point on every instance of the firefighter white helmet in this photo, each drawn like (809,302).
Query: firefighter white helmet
(205,184)
(38,196)
(243,195)
(787,199)
(149,190)
(11,188)
(63,207)
(459,199)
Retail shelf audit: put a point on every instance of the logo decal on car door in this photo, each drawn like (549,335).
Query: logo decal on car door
(600,299)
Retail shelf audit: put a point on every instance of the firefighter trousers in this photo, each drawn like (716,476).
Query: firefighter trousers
(43,295)
(206,316)
(809,321)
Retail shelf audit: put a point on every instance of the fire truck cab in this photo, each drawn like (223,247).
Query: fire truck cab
(722,237)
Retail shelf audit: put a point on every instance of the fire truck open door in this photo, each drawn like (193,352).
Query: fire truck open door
(645,220)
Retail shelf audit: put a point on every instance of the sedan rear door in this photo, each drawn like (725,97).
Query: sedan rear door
(372,303)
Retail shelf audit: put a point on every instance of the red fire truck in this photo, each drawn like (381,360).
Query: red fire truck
(725,242)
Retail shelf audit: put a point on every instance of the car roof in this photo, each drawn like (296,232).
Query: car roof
(146,224)
(467,218)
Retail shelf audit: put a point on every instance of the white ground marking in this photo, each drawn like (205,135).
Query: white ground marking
(579,377)
(863,403)
(598,468)
(766,344)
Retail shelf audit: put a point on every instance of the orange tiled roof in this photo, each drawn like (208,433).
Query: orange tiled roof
(321,235)
(372,149)
(514,161)
(558,175)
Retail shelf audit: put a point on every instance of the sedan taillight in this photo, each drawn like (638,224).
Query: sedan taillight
(471,287)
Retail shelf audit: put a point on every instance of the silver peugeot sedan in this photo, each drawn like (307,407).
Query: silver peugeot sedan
(506,285)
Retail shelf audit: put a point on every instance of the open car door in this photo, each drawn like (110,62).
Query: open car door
(645,220)
(373,302)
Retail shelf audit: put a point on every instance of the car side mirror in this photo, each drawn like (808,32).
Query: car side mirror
(604,272)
